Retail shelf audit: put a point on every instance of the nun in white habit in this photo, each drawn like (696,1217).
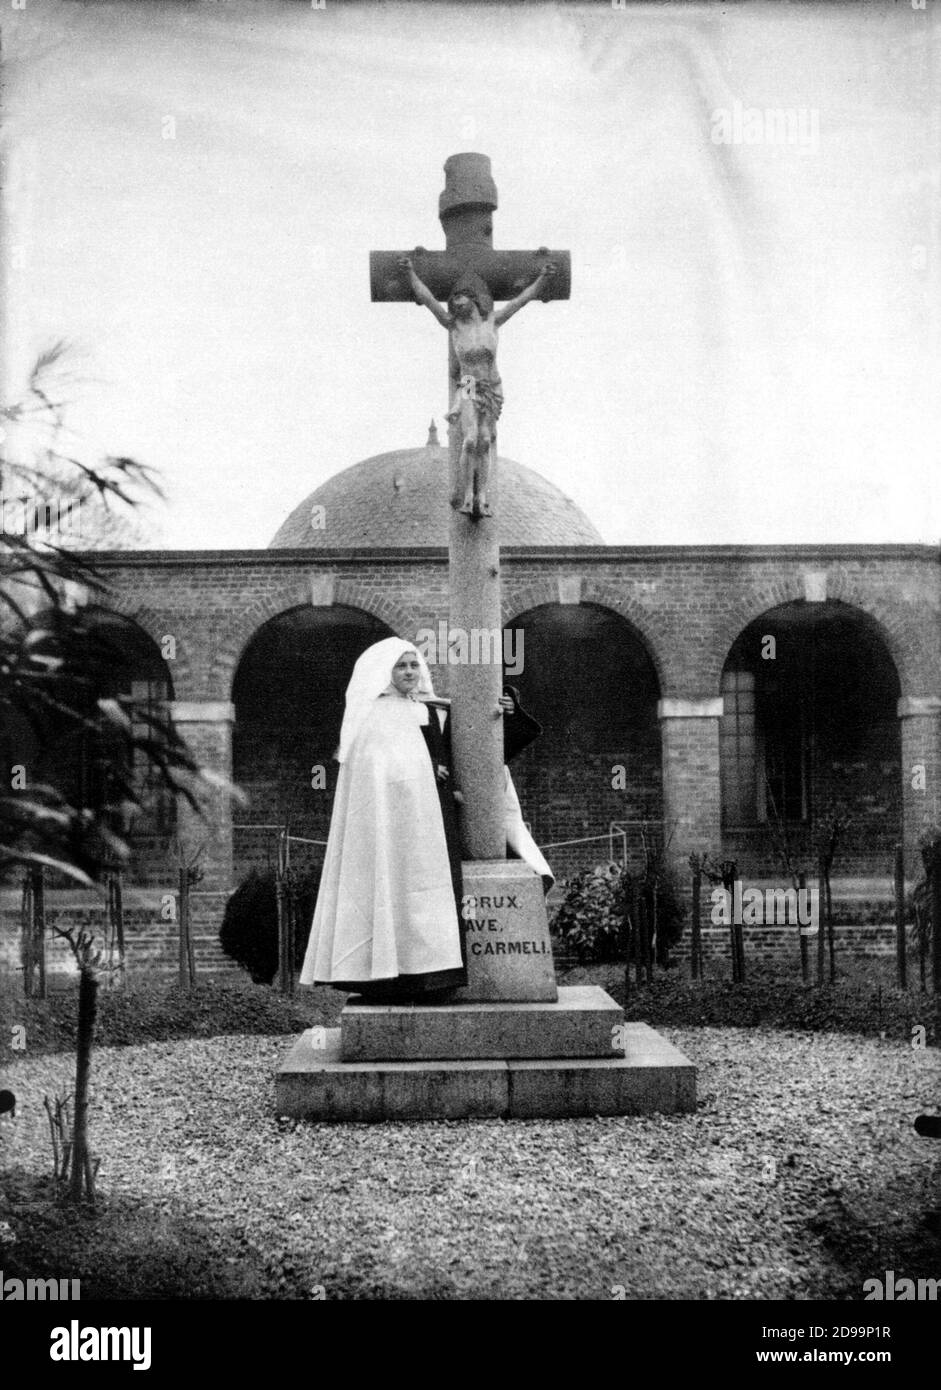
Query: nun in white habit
(387,923)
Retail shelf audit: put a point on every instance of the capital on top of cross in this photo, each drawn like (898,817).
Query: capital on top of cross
(468,182)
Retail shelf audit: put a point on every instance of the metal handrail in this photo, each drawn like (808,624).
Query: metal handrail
(282,835)
(613,830)
(616,828)
(585,839)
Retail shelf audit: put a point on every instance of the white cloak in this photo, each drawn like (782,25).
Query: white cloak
(518,837)
(386,904)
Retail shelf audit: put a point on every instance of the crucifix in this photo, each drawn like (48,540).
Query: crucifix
(469,275)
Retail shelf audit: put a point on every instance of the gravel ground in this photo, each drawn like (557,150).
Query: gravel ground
(798,1177)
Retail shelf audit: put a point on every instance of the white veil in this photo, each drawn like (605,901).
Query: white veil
(372,675)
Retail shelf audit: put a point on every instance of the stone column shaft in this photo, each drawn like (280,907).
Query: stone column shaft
(206,725)
(476,685)
(690,732)
(920,719)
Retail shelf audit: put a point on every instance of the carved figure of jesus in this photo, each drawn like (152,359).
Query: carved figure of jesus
(476,388)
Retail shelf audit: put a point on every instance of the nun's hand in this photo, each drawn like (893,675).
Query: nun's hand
(506,705)
(458,797)
(443,773)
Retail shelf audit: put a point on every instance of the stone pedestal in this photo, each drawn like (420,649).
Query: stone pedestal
(509,953)
(583,1021)
(509,1046)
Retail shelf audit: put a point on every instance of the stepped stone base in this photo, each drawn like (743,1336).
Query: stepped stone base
(315,1083)
(583,1022)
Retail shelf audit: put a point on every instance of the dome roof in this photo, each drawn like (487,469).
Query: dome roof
(401,499)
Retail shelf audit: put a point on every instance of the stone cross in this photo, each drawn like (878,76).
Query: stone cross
(466,209)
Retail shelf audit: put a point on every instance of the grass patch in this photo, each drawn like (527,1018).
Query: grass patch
(864,999)
(161,1013)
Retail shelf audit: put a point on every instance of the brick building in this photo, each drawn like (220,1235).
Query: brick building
(734,696)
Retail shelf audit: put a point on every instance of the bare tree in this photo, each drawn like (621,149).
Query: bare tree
(51,665)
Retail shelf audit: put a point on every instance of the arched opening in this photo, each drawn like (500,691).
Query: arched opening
(810,732)
(590,681)
(288,693)
(115,660)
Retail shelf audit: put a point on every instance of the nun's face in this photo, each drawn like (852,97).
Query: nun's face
(406,673)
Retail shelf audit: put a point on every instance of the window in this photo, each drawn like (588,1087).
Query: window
(149,698)
(764,751)
(738,751)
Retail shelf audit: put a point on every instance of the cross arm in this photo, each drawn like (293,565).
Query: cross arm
(507,273)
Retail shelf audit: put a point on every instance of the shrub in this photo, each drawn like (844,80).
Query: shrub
(594,920)
(249,931)
(590,922)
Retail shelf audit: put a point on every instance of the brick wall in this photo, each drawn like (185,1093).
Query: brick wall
(152,944)
(684,606)
(687,604)
(781,944)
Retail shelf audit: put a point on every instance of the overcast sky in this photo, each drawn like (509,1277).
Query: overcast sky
(751,350)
